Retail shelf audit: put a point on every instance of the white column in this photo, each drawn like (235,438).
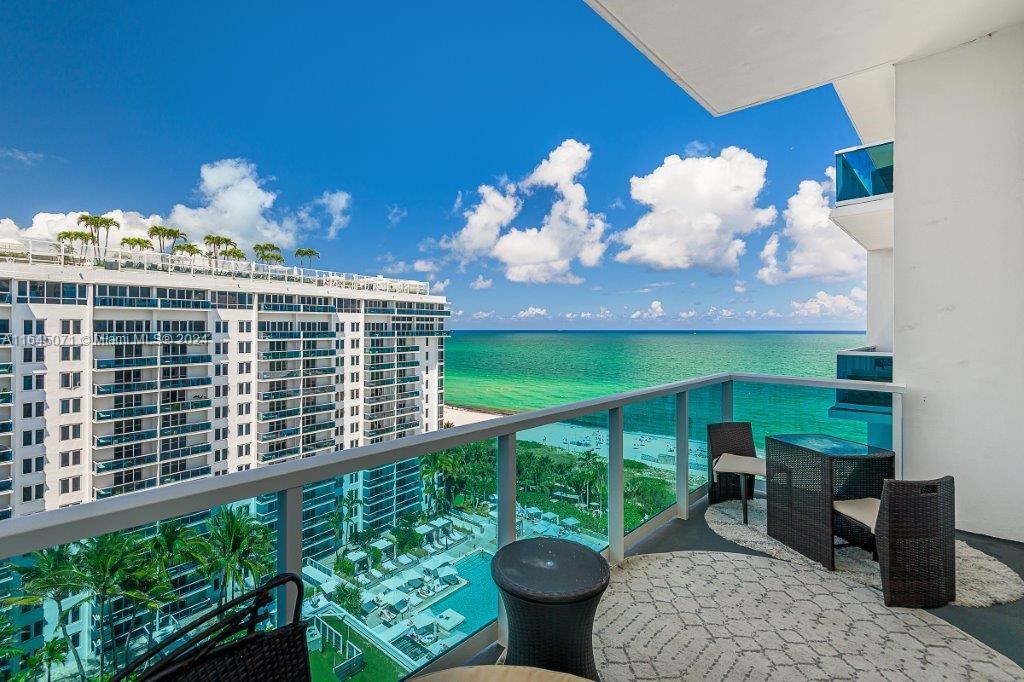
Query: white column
(682,455)
(727,401)
(289,548)
(616,503)
(506,512)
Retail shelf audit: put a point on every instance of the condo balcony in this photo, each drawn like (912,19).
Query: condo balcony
(186,382)
(119,387)
(712,581)
(119,363)
(122,438)
(864,194)
(186,359)
(6,368)
(121,413)
(182,429)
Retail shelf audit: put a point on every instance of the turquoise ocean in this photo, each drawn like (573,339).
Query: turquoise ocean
(513,371)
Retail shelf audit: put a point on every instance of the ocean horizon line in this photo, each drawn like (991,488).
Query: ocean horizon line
(663,331)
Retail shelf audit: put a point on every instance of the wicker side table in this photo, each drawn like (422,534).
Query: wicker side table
(806,473)
(550,589)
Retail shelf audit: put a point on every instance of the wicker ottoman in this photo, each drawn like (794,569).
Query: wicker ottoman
(551,589)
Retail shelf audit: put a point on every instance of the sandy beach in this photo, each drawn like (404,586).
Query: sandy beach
(460,416)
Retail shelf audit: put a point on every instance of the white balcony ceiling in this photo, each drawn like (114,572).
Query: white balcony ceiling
(738,53)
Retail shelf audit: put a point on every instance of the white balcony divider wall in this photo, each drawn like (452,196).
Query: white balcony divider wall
(38,531)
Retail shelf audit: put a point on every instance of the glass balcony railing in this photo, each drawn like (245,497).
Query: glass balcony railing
(6,456)
(380,334)
(186,382)
(124,302)
(124,412)
(280,433)
(182,429)
(380,311)
(380,366)
(318,371)
(122,438)
(280,355)
(279,414)
(121,387)
(280,374)
(319,352)
(185,359)
(6,368)
(284,334)
(6,484)
(602,473)
(180,453)
(316,308)
(864,172)
(279,395)
(318,390)
(280,307)
(6,397)
(116,363)
(107,466)
(315,409)
(185,405)
(318,426)
(183,303)
(317,334)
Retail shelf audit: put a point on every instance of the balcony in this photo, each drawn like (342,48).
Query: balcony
(122,438)
(280,355)
(181,429)
(315,409)
(124,302)
(317,334)
(279,395)
(279,434)
(278,455)
(649,450)
(185,359)
(319,352)
(185,475)
(6,484)
(278,335)
(124,412)
(6,456)
(118,388)
(279,414)
(181,303)
(119,363)
(185,406)
(121,489)
(864,194)
(6,369)
(6,397)
(110,465)
(280,307)
(186,382)
(181,453)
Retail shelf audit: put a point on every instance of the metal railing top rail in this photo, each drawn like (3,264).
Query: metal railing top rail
(24,534)
(49,252)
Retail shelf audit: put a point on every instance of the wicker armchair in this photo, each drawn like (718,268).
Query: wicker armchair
(226,645)
(916,550)
(729,444)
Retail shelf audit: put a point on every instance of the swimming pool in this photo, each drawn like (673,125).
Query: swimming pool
(477,601)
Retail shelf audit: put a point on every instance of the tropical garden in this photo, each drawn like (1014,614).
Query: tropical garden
(93,238)
(129,579)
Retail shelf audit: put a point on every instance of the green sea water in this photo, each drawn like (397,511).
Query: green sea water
(516,371)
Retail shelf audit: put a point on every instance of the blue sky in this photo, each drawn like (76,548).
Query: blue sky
(367,130)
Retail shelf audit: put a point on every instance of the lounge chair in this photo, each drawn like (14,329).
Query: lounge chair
(731,451)
(405,560)
(389,566)
(375,574)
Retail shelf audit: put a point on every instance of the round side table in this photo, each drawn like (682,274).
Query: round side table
(550,589)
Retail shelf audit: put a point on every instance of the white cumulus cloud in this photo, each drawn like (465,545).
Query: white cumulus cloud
(483,314)
(699,208)
(481,283)
(688,314)
(601,314)
(336,206)
(828,305)
(440,286)
(484,222)
(818,248)
(653,312)
(396,214)
(49,225)
(739,287)
(531,312)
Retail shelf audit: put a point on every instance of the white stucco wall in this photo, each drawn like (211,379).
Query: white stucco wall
(880,299)
(959,274)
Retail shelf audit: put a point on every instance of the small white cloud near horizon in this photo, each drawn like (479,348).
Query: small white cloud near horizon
(483,315)
(531,312)
(819,249)
(481,283)
(687,314)
(699,210)
(601,314)
(823,304)
(654,311)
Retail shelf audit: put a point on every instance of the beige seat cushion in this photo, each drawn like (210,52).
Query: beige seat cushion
(498,673)
(729,463)
(864,510)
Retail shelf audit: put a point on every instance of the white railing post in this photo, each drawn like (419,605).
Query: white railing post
(506,512)
(727,401)
(683,455)
(616,481)
(897,432)
(289,548)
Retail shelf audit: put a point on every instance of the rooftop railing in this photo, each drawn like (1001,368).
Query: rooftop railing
(38,251)
(646,450)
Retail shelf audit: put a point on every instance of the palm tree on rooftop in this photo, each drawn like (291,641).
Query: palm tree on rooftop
(233,253)
(306,255)
(267,253)
(217,243)
(140,243)
(81,237)
(97,224)
(190,250)
(48,576)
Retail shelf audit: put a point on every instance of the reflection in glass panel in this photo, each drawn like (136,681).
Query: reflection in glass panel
(705,407)
(778,409)
(84,610)
(649,464)
(562,480)
(406,574)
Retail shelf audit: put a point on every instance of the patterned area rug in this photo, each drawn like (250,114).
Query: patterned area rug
(981,580)
(721,616)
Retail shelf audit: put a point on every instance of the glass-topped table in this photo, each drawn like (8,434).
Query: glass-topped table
(805,474)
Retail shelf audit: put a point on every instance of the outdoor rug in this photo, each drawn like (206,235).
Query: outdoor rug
(724,616)
(981,580)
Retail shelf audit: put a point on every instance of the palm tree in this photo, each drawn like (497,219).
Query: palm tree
(267,253)
(306,254)
(54,651)
(81,237)
(344,514)
(190,250)
(105,567)
(30,668)
(175,544)
(216,243)
(239,548)
(97,224)
(7,635)
(140,243)
(233,253)
(146,588)
(49,576)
